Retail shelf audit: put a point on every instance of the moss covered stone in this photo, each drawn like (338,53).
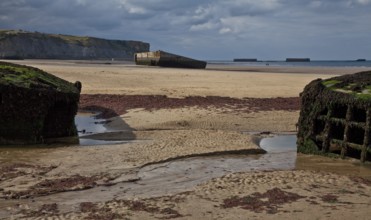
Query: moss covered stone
(35,105)
(335,116)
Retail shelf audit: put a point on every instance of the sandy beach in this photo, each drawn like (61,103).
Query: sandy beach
(168,116)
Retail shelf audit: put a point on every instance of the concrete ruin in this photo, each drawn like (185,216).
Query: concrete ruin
(165,59)
(35,106)
(335,117)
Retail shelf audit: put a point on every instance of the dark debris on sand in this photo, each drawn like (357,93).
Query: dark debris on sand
(44,210)
(47,187)
(105,212)
(259,202)
(114,105)
(14,170)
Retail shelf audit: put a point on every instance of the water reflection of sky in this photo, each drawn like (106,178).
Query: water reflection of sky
(279,143)
(87,124)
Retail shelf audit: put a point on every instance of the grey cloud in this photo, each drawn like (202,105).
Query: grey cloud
(253,8)
(201,28)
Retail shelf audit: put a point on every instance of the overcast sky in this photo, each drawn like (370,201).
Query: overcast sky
(209,29)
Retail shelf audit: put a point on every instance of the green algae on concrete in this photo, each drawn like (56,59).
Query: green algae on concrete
(35,105)
(357,85)
(335,117)
(29,77)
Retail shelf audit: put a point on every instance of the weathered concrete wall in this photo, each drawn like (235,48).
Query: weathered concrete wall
(335,117)
(165,59)
(35,106)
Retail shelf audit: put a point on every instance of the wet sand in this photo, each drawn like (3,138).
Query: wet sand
(218,118)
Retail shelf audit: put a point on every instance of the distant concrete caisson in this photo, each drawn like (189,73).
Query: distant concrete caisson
(165,59)
(297,59)
(245,60)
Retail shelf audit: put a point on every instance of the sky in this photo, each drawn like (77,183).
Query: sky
(209,29)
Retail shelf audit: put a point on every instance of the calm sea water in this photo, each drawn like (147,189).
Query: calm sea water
(314,63)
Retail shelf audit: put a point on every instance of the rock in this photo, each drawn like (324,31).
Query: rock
(34,45)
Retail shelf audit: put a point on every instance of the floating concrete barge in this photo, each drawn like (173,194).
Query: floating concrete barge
(297,60)
(165,59)
(335,117)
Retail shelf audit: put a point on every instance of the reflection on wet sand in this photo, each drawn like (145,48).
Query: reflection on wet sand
(349,166)
(95,131)
(86,123)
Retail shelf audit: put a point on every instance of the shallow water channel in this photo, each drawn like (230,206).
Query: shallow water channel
(182,174)
(177,176)
(281,155)
(192,171)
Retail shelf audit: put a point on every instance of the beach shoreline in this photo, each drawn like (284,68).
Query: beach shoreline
(180,113)
(129,79)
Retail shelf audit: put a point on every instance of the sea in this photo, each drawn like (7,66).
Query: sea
(312,63)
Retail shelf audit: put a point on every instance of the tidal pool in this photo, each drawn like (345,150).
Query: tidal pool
(279,143)
(88,124)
